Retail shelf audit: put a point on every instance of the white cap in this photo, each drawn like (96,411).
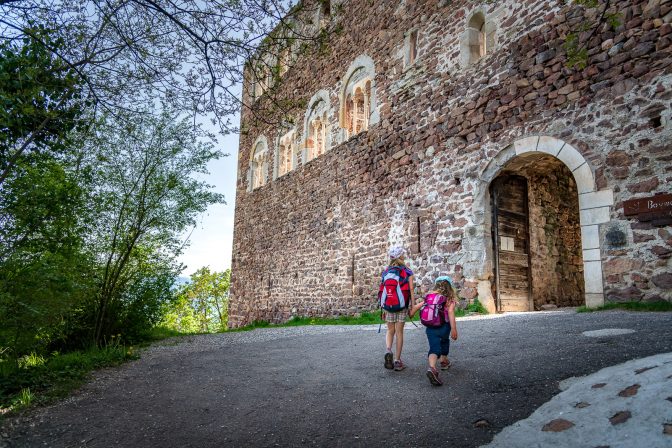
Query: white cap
(396,252)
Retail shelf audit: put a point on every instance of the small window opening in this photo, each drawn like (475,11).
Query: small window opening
(411,48)
(325,8)
(360,114)
(477,41)
(352,270)
(419,236)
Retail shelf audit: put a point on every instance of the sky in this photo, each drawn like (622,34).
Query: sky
(211,241)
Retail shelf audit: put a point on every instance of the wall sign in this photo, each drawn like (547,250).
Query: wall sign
(655,209)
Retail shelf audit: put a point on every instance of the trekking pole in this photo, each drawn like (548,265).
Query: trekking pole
(381,320)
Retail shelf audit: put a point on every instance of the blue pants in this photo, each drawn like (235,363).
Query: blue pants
(439,339)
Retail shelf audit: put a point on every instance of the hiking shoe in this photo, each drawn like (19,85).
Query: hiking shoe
(445,365)
(433,376)
(399,365)
(388,361)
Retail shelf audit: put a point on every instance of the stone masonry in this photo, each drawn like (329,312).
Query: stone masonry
(420,110)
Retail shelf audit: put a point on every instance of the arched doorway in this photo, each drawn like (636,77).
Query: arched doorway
(543,155)
(536,235)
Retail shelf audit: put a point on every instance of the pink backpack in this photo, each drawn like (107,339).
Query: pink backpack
(432,313)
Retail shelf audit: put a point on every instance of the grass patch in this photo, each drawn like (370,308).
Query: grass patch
(474,307)
(366,318)
(630,306)
(160,333)
(38,380)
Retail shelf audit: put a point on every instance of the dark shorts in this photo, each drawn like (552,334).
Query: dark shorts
(439,339)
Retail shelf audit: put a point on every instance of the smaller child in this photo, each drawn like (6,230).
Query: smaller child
(439,336)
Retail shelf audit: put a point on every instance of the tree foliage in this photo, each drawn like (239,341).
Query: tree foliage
(202,304)
(39,98)
(42,263)
(129,53)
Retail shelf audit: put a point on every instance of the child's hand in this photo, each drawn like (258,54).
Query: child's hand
(453,334)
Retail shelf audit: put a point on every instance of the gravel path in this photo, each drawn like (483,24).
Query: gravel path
(326,386)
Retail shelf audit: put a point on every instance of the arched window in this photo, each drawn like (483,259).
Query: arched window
(358,98)
(358,107)
(286,154)
(317,138)
(325,7)
(259,164)
(324,13)
(478,39)
(360,104)
(316,141)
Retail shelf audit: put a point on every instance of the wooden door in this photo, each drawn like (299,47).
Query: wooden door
(511,242)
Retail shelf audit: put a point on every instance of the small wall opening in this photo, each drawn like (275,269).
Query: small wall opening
(410,48)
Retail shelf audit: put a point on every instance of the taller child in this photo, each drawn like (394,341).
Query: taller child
(396,320)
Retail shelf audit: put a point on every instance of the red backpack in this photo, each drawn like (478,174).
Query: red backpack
(395,291)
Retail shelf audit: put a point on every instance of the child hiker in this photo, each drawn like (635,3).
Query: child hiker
(438,315)
(395,295)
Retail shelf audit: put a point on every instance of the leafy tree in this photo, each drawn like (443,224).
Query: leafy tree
(179,315)
(146,193)
(202,304)
(146,293)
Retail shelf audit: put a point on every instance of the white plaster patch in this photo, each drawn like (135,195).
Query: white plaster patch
(593,216)
(397,221)
(593,300)
(607,332)
(591,255)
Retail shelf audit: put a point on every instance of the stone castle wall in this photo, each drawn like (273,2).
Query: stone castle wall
(313,241)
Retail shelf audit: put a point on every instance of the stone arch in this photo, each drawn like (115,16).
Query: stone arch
(318,113)
(258,164)
(594,206)
(360,75)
